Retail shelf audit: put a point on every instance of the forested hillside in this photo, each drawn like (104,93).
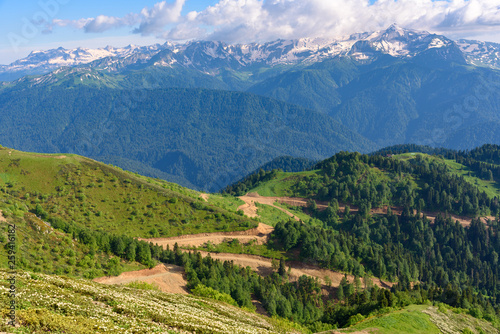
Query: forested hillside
(203,138)
(374,212)
(391,101)
(367,181)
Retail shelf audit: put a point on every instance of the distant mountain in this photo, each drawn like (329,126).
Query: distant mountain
(40,62)
(214,57)
(434,98)
(359,92)
(481,53)
(202,138)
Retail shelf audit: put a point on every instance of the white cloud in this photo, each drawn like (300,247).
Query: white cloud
(150,21)
(99,24)
(264,20)
(155,19)
(473,14)
(102,23)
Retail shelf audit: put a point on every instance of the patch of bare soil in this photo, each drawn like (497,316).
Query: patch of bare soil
(168,277)
(2,218)
(250,209)
(261,234)
(205,196)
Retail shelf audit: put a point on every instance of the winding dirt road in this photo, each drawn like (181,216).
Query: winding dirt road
(263,266)
(250,209)
(261,234)
(170,278)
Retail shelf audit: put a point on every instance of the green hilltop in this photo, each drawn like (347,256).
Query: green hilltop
(55,200)
(106,198)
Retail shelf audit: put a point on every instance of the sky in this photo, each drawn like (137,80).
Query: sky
(29,25)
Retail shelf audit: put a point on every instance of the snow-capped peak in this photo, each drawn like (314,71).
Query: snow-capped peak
(211,56)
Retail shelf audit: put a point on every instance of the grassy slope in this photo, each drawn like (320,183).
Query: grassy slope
(409,320)
(270,215)
(43,249)
(281,184)
(103,197)
(63,305)
(300,212)
(422,319)
(228,203)
(100,197)
(491,188)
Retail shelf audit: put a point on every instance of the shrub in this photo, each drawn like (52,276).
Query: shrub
(142,286)
(476,312)
(205,291)
(354,319)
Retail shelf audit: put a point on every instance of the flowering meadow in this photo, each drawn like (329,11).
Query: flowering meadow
(64,305)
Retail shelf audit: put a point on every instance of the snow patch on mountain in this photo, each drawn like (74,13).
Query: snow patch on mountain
(209,57)
(481,53)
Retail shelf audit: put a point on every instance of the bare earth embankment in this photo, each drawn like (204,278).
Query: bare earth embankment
(261,234)
(168,278)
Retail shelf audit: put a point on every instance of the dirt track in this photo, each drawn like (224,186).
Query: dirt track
(167,277)
(170,279)
(251,198)
(263,266)
(250,209)
(260,234)
(39,155)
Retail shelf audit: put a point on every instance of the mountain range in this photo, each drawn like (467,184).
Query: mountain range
(209,56)
(184,111)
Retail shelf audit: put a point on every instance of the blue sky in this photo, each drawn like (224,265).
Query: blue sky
(28,25)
